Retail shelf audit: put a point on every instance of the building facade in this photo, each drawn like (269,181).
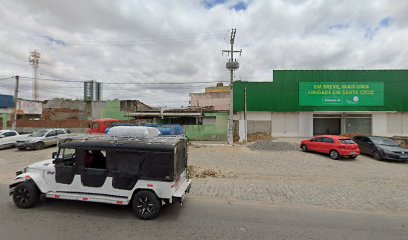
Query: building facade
(304,103)
(217,97)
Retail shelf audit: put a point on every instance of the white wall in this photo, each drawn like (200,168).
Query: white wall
(301,124)
(306,124)
(379,124)
(283,124)
(397,124)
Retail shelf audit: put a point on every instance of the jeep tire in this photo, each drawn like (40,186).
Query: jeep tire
(146,205)
(26,195)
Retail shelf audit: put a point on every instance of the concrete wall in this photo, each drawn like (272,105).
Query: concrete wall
(305,124)
(379,124)
(276,124)
(397,124)
(220,101)
(217,132)
(59,109)
(29,107)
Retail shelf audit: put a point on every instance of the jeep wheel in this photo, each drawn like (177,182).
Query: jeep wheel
(334,155)
(146,205)
(26,195)
(39,146)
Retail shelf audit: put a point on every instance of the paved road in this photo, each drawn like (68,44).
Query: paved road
(257,195)
(196,219)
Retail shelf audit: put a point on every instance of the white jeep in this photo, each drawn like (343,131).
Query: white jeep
(146,174)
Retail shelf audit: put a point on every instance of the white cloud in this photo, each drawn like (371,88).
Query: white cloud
(181,41)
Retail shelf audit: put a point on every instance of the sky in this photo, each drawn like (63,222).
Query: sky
(159,51)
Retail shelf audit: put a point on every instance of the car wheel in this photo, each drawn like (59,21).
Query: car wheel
(377,155)
(39,146)
(353,156)
(26,195)
(146,205)
(334,155)
(304,148)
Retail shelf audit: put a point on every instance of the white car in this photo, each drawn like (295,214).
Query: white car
(144,174)
(8,138)
(41,138)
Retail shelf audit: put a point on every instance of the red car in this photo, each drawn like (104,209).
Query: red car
(335,146)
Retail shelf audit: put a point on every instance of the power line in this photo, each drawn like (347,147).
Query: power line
(124,83)
(6,78)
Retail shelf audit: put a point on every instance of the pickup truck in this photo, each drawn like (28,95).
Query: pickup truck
(8,138)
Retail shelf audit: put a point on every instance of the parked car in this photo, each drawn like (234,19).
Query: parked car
(144,174)
(381,148)
(41,139)
(335,146)
(8,138)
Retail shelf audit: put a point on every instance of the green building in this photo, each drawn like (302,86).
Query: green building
(303,103)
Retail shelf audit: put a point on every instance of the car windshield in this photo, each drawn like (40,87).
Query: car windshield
(347,141)
(38,133)
(383,141)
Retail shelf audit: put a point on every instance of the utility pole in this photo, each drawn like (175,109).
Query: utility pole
(231,65)
(34,60)
(14,125)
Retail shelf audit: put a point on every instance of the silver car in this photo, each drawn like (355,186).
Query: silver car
(41,139)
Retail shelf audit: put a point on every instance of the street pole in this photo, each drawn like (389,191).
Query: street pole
(231,66)
(14,125)
(231,110)
(245,115)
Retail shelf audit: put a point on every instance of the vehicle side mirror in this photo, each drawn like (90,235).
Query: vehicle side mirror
(54,155)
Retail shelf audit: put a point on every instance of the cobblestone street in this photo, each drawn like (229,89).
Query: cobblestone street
(294,178)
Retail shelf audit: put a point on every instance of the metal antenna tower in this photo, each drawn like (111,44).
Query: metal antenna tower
(34,60)
(231,65)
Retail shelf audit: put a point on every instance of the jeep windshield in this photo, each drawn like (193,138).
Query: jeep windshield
(67,153)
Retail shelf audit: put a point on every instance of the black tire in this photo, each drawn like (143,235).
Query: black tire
(146,205)
(26,195)
(334,155)
(353,156)
(304,148)
(39,146)
(378,155)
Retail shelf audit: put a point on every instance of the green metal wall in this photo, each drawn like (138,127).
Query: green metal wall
(282,95)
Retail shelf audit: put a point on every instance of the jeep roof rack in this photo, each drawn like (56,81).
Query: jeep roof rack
(167,139)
